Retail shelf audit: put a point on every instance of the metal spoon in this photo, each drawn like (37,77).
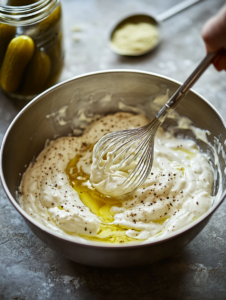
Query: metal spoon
(148,19)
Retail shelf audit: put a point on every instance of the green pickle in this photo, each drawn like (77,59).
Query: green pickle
(51,20)
(37,73)
(30,64)
(7,32)
(18,54)
(55,52)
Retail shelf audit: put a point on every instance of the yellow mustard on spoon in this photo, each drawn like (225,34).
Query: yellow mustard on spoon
(140,33)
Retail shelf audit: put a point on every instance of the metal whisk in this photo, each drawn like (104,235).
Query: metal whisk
(132,150)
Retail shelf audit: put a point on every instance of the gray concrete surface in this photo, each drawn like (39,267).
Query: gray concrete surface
(28,269)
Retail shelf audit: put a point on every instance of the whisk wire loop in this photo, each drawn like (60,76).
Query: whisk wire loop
(138,175)
(126,148)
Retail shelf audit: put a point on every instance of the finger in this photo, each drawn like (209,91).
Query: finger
(220,63)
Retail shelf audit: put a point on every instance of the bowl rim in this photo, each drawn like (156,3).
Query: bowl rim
(89,243)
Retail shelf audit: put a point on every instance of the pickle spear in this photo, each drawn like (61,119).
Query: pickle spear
(18,54)
(37,73)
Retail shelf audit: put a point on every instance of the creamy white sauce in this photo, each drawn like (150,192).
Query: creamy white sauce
(177,192)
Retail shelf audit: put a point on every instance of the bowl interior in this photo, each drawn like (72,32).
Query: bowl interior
(70,106)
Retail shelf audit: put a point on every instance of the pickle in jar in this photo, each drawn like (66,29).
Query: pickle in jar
(37,73)
(27,70)
(18,54)
(51,20)
(56,52)
(7,33)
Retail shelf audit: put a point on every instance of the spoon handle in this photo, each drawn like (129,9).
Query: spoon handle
(185,87)
(176,9)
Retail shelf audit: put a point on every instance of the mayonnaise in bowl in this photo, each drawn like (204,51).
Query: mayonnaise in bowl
(60,190)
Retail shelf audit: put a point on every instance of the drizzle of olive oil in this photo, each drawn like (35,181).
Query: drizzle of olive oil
(99,204)
(161,221)
(190,154)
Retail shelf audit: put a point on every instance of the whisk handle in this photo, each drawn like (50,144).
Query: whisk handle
(184,88)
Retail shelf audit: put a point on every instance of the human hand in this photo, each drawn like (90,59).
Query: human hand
(214,36)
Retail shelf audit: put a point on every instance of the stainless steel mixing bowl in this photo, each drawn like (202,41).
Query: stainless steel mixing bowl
(70,106)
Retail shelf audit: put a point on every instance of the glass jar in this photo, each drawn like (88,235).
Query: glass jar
(31,46)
